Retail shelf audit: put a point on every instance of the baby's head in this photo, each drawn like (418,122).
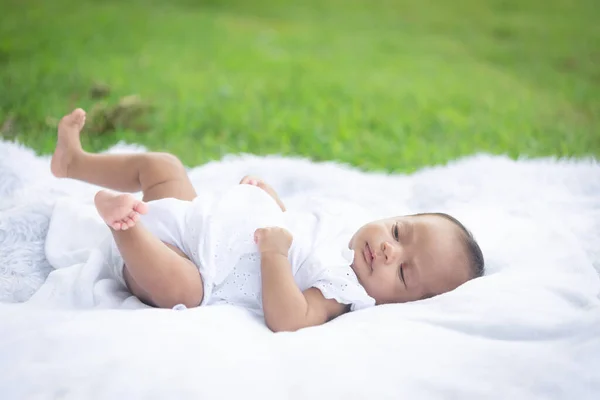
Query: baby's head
(414,257)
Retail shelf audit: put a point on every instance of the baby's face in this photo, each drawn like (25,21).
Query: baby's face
(408,258)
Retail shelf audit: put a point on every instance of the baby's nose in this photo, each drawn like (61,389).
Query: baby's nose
(388,251)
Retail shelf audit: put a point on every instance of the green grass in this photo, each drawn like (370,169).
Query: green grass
(379,84)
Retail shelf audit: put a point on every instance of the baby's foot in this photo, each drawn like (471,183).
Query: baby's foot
(119,211)
(67,143)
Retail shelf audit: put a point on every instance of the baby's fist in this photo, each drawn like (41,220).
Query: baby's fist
(273,240)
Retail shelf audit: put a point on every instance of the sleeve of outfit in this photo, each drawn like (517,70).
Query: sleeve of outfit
(338,282)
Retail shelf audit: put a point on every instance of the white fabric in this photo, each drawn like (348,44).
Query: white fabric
(216,233)
(528,330)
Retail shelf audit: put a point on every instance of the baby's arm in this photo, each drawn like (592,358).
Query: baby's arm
(286,308)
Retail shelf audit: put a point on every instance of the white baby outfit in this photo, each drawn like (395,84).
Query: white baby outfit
(217,233)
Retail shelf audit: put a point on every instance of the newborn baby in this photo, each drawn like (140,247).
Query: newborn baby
(298,268)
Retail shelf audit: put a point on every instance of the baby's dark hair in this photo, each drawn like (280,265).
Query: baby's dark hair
(474,253)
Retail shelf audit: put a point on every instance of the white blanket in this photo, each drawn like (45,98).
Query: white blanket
(529,329)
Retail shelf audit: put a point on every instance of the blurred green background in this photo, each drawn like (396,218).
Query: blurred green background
(379,84)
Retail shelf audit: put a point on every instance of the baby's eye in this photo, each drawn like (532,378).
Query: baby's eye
(395,231)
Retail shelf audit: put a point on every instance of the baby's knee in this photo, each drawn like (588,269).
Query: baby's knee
(172,163)
(162,167)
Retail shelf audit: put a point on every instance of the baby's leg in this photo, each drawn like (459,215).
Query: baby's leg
(121,172)
(164,277)
(155,272)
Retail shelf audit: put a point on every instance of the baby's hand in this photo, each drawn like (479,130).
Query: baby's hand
(273,240)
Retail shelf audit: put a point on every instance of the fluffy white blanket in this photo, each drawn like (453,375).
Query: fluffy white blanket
(529,329)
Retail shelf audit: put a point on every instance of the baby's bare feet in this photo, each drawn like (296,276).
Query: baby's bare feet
(119,211)
(67,143)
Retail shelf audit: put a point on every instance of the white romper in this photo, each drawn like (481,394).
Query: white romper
(217,234)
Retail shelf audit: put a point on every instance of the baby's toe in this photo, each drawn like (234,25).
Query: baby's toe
(141,207)
(135,217)
(116,226)
(130,222)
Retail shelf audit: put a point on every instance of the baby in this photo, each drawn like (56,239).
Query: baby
(297,268)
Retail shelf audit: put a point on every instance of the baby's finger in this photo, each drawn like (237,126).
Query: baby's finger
(258,234)
(249,180)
